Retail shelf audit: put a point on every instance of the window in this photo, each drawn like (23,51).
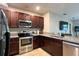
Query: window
(63,26)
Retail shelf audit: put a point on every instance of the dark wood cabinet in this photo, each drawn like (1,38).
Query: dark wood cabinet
(41,23)
(51,45)
(46,43)
(57,47)
(14,46)
(27,17)
(37,22)
(37,42)
(23,16)
(14,19)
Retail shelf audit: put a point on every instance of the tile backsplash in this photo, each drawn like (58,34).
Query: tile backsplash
(23,29)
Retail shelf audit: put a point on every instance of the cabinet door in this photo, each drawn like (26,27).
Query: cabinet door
(14,19)
(27,17)
(56,47)
(35,21)
(14,46)
(46,44)
(41,22)
(35,42)
(41,42)
(21,16)
(53,46)
(24,16)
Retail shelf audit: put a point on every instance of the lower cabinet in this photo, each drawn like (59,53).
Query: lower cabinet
(37,42)
(14,46)
(51,45)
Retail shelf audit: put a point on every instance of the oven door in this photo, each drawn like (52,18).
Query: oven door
(26,41)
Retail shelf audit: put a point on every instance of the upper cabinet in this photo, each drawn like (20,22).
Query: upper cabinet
(27,17)
(14,17)
(41,22)
(23,16)
(37,22)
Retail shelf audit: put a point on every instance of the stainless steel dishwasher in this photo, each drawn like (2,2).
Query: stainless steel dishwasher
(70,49)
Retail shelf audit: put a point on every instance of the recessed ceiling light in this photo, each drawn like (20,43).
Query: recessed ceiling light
(37,8)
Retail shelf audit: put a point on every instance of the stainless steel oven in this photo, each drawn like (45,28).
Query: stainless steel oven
(25,44)
(26,41)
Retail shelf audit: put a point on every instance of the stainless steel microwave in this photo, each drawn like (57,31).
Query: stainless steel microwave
(25,23)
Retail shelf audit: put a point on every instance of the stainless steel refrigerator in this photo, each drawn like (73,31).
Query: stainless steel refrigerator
(4,34)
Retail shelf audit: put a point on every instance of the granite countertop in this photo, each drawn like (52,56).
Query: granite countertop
(50,35)
(71,39)
(14,35)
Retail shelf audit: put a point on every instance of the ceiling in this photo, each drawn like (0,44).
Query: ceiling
(71,9)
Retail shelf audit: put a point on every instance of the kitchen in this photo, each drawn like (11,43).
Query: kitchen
(42,32)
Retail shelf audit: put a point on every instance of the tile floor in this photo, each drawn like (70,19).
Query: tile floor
(36,52)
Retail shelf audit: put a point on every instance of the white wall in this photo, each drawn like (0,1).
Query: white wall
(52,22)
(75,23)
(46,22)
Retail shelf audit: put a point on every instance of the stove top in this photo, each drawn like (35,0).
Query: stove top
(24,34)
